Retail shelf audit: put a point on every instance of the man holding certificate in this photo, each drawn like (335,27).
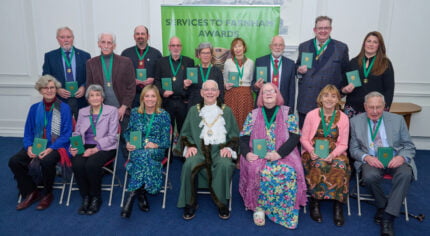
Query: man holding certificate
(327,61)
(370,132)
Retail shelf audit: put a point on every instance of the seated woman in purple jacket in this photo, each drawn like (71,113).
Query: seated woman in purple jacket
(98,126)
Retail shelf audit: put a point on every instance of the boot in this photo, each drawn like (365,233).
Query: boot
(128,206)
(94,207)
(142,200)
(338,213)
(315,210)
(84,206)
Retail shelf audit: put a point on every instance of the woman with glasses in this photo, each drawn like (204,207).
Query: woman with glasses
(48,121)
(271,182)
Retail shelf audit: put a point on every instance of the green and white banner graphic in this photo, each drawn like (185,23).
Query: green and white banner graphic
(219,25)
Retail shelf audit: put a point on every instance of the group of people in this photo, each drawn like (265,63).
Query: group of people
(220,123)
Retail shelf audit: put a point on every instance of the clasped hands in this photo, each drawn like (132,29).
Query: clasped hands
(131,148)
(88,152)
(394,163)
(270,156)
(41,155)
(192,151)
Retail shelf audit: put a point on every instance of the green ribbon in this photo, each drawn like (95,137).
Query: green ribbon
(326,128)
(266,121)
(322,48)
(144,53)
(93,125)
(373,134)
(205,77)
(367,70)
(275,69)
(66,59)
(45,118)
(107,72)
(174,72)
(149,127)
(240,71)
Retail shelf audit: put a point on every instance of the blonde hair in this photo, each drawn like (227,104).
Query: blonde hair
(329,89)
(147,88)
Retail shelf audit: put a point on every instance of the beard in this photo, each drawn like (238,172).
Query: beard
(277,54)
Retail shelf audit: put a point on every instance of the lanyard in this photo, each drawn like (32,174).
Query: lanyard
(66,59)
(45,116)
(174,72)
(144,53)
(266,121)
(149,127)
(322,48)
(367,70)
(108,72)
(240,71)
(326,128)
(374,133)
(205,77)
(275,68)
(93,125)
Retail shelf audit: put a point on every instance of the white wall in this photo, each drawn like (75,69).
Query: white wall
(29,29)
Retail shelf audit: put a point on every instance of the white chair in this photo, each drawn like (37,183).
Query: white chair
(202,191)
(57,185)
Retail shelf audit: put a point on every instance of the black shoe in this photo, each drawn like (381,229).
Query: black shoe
(84,206)
(142,200)
(189,212)
(94,205)
(223,213)
(378,215)
(387,228)
(315,210)
(338,213)
(128,206)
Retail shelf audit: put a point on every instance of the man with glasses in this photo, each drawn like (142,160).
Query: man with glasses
(327,65)
(173,68)
(280,71)
(144,58)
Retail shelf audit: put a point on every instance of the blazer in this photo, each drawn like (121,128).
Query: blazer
(53,65)
(107,126)
(123,78)
(329,69)
(397,137)
(288,84)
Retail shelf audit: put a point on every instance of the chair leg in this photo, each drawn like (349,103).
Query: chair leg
(124,189)
(70,189)
(358,193)
(405,202)
(349,207)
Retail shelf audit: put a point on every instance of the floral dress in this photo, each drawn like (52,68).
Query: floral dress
(144,165)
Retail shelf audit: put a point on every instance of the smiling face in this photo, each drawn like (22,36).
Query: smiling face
(371,46)
(322,30)
(209,92)
(49,91)
(238,49)
(106,44)
(95,98)
(277,46)
(329,101)
(269,96)
(150,100)
(141,36)
(205,56)
(65,39)
(175,47)
(374,107)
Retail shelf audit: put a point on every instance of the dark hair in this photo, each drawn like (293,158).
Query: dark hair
(381,61)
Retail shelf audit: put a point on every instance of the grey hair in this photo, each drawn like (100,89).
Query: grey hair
(44,80)
(95,88)
(321,18)
(107,33)
(203,46)
(64,28)
(374,94)
(210,81)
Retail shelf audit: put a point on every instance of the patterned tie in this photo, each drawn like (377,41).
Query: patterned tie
(378,141)
(275,77)
(69,71)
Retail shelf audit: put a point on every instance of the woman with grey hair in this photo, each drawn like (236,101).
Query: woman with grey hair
(49,122)
(205,71)
(97,125)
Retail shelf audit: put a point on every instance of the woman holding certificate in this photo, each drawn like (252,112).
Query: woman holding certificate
(376,74)
(324,142)
(147,138)
(46,139)
(97,126)
(238,74)
(270,162)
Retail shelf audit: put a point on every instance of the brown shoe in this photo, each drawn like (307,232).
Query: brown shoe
(45,202)
(30,199)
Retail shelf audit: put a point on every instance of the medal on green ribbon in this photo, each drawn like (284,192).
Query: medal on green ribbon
(149,127)
(266,121)
(322,48)
(107,72)
(239,70)
(326,128)
(143,56)
(366,71)
(93,124)
(205,77)
(175,71)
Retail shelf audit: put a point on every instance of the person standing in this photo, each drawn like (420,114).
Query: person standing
(67,64)
(143,56)
(329,65)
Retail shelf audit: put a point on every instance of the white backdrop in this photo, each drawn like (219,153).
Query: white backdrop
(28,31)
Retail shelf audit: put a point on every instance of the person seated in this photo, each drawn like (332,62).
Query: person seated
(51,120)
(98,126)
(144,164)
(278,173)
(369,132)
(327,176)
(209,139)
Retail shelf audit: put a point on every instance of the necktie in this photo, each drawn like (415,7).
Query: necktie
(275,76)
(378,141)
(69,71)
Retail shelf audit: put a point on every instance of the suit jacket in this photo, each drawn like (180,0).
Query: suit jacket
(53,65)
(397,137)
(106,127)
(123,78)
(287,86)
(330,68)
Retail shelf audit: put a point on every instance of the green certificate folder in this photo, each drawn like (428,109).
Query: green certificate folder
(261,73)
(307,58)
(76,142)
(72,87)
(166,83)
(233,77)
(385,154)
(353,78)
(322,148)
(192,74)
(39,145)
(136,139)
(259,147)
(141,74)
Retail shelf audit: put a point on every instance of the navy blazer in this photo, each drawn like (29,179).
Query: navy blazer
(53,65)
(287,86)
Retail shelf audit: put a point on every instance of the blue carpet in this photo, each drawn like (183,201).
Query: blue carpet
(63,220)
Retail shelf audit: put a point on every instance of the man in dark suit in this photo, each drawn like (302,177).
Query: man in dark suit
(143,57)
(116,75)
(375,129)
(67,64)
(329,64)
(280,71)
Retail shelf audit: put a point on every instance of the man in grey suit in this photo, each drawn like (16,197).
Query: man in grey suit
(374,129)
(329,64)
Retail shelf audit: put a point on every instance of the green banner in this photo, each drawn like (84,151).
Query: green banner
(219,25)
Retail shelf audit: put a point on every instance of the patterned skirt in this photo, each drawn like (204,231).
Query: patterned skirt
(241,102)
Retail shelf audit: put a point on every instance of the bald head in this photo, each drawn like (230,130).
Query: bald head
(141,36)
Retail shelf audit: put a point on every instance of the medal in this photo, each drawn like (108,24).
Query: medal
(174,78)
(108,84)
(69,70)
(146,140)
(140,63)
(210,133)
(95,138)
(365,80)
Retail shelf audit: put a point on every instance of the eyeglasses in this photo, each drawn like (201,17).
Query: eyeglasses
(210,89)
(268,92)
(205,53)
(323,28)
(175,45)
(49,88)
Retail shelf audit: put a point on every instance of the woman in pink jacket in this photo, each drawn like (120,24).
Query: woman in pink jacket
(324,142)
